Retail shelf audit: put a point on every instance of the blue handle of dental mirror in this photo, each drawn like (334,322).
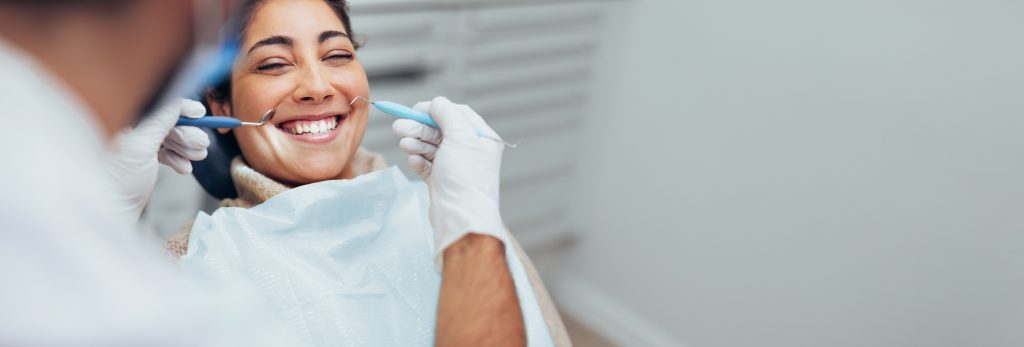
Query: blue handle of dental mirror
(210,122)
(402,111)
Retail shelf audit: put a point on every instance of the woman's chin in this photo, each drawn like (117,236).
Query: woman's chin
(311,170)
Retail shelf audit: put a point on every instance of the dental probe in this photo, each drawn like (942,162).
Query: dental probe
(402,111)
(224,121)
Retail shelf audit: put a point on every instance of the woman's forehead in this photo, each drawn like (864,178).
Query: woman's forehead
(300,20)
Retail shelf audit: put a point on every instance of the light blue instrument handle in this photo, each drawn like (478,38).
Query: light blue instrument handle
(402,111)
(211,122)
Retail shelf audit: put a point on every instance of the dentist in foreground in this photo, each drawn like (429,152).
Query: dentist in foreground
(75,76)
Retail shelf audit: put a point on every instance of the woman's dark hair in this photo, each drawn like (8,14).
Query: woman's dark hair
(222,90)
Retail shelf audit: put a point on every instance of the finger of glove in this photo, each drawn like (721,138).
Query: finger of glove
(190,153)
(411,128)
(461,119)
(422,106)
(420,165)
(192,109)
(411,145)
(450,116)
(189,142)
(151,131)
(188,137)
(164,118)
(174,161)
(479,124)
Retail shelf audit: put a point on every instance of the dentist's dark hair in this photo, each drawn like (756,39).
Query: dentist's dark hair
(214,172)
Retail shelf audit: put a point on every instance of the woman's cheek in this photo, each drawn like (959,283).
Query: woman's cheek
(352,80)
(269,93)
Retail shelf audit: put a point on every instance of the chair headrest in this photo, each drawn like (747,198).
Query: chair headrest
(214,172)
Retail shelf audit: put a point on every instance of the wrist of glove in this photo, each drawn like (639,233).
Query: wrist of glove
(461,168)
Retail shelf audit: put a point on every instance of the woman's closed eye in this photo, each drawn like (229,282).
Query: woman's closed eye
(339,57)
(272,66)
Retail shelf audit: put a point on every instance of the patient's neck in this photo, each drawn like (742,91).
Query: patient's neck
(347,173)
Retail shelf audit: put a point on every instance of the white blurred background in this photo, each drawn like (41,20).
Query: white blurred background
(735,172)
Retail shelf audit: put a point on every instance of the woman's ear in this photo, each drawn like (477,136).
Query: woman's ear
(219,108)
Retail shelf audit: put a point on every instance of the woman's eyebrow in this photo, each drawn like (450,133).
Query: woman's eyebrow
(324,36)
(273,40)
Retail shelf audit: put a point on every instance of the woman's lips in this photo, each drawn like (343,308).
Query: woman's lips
(313,129)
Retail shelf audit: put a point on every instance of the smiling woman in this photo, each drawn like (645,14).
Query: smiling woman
(300,61)
(298,58)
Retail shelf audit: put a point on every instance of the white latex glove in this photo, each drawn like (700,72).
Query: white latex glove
(461,169)
(134,165)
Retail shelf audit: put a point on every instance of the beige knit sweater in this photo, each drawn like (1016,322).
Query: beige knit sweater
(254,188)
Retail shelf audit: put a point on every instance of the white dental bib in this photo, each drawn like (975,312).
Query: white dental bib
(340,263)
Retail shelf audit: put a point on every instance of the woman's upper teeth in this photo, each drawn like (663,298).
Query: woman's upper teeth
(300,127)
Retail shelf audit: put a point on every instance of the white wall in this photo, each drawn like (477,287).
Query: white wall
(808,173)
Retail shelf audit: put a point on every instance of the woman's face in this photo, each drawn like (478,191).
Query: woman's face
(297,58)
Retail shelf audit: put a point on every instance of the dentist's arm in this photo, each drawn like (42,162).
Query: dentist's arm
(478,304)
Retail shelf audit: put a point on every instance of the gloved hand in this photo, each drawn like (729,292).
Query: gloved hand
(461,168)
(137,151)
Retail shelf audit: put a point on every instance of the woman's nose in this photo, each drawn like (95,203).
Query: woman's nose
(313,88)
